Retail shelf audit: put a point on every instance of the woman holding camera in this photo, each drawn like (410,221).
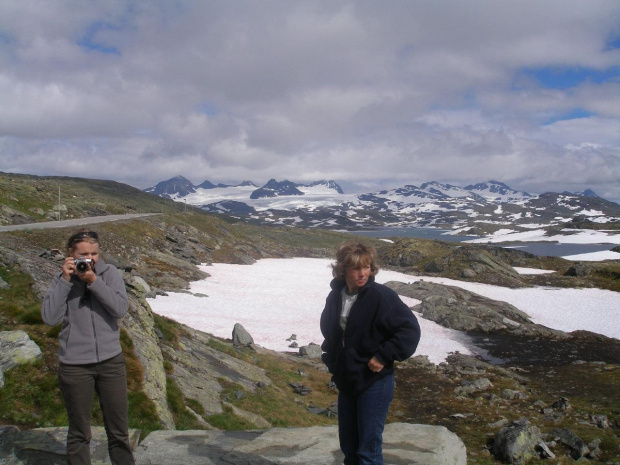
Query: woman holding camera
(88,296)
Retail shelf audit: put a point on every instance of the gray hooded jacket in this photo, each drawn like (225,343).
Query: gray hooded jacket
(89,315)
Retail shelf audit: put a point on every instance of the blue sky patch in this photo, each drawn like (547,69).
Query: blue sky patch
(89,39)
(575,113)
(207,109)
(613,43)
(566,77)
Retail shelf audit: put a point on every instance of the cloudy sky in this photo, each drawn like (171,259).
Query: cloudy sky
(372,94)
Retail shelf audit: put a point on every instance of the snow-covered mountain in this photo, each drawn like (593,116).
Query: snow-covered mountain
(498,191)
(476,209)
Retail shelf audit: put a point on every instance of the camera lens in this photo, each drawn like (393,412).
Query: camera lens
(81,266)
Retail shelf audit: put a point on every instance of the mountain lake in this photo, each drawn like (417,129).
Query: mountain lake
(552,249)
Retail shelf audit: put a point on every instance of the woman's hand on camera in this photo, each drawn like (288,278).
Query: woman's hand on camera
(88,276)
(68,268)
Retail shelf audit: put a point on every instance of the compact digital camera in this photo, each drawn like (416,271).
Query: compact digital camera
(82,264)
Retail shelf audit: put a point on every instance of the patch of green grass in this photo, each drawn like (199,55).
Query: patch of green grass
(169,328)
(228,349)
(18,303)
(183,419)
(195,406)
(278,403)
(31,397)
(168,367)
(142,413)
(227,420)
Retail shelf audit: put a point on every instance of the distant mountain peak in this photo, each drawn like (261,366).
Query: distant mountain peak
(207,185)
(177,186)
(496,190)
(588,193)
(327,185)
(275,188)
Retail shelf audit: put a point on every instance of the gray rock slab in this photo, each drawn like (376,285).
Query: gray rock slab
(47,446)
(403,444)
(169,447)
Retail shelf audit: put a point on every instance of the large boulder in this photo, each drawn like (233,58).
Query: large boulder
(47,446)
(517,443)
(16,348)
(311,351)
(240,337)
(403,443)
(576,445)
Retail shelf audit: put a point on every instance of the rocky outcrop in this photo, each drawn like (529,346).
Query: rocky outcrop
(16,348)
(11,216)
(198,368)
(404,443)
(41,270)
(138,322)
(491,265)
(462,310)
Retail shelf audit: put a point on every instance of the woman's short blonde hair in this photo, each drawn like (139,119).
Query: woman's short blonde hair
(82,236)
(352,254)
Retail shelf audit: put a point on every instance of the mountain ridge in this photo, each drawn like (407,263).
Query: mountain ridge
(480,208)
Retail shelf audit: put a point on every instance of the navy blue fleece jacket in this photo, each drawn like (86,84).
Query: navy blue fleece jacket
(379,325)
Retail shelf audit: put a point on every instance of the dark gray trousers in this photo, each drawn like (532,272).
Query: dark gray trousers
(109,380)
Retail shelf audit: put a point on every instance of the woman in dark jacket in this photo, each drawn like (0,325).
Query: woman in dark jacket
(88,297)
(366,328)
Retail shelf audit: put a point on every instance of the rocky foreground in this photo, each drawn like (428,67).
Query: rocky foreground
(546,393)
(318,445)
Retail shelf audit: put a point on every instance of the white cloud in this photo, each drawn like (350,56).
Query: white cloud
(377,94)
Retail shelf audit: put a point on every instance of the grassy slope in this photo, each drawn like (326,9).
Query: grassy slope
(37,196)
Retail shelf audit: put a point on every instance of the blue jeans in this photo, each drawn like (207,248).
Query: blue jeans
(361,420)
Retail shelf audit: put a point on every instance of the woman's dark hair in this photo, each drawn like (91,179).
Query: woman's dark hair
(83,236)
(354,253)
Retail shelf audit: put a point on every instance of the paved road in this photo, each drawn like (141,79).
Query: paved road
(73,222)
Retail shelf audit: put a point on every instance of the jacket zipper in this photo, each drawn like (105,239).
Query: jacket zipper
(92,319)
